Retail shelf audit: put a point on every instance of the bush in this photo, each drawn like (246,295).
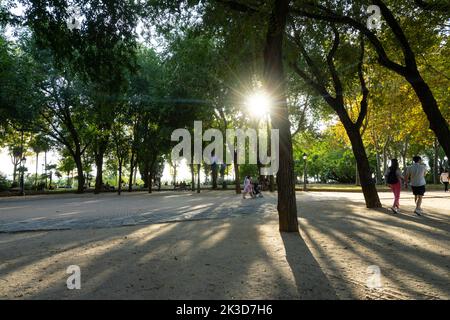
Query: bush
(5,184)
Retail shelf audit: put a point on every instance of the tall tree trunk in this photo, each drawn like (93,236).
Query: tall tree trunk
(435,162)
(222,177)
(368,185)
(119,185)
(192,177)
(99,174)
(132,164)
(214,172)
(272,183)
(405,151)
(79,164)
(198,177)
(385,156)
(274,80)
(174,176)
(357,182)
(102,145)
(438,124)
(151,173)
(237,178)
(99,164)
(258,160)
(269,152)
(45,168)
(14,173)
(36,175)
(150,181)
(378,171)
(144,169)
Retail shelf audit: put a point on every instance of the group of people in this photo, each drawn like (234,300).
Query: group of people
(414,177)
(251,188)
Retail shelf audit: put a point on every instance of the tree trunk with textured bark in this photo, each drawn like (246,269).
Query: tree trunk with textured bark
(274,81)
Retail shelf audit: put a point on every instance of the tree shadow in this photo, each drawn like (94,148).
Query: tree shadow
(311,282)
(412,252)
(230,258)
(205,259)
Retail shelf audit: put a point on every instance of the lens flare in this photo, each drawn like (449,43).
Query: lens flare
(258,104)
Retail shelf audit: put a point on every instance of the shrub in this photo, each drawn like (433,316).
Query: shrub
(5,184)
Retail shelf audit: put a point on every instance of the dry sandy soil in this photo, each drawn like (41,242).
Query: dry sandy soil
(242,257)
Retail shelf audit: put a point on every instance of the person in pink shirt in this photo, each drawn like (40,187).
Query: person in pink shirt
(394,179)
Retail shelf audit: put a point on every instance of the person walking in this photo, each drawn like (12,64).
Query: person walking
(394,179)
(248,187)
(445,179)
(416,175)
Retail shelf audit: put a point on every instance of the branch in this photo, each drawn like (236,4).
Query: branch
(315,70)
(434,68)
(86,146)
(238,6)
(336,80)
(440,6)
(302,117)
(365,92)
(331,16)
(319,88)
(408,54)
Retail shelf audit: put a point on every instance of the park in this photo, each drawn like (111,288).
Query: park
(224,150)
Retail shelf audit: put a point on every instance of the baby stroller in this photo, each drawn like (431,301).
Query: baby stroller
(257,191)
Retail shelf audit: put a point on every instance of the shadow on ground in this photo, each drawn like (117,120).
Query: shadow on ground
(240,258)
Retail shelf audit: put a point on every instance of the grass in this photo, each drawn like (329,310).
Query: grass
(354,188)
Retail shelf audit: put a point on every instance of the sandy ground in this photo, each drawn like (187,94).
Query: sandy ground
(239,257)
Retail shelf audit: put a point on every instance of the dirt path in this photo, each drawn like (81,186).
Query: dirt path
(243,257)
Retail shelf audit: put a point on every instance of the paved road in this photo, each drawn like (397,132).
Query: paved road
(109,210)
(61,212)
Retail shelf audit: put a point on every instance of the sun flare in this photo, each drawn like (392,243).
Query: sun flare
(258,104)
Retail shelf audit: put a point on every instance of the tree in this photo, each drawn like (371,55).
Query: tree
(64,109)
(318,80)
(223,16)
(101,52)
(121,141)
(408,69)
(39,144)
(66,165)
(275,83)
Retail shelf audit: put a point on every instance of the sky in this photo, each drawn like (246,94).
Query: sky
(7,168)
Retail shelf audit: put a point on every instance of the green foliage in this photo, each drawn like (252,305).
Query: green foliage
(16,87)
(4,183)
(99,88)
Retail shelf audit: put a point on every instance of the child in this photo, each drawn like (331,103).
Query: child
(257,191)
